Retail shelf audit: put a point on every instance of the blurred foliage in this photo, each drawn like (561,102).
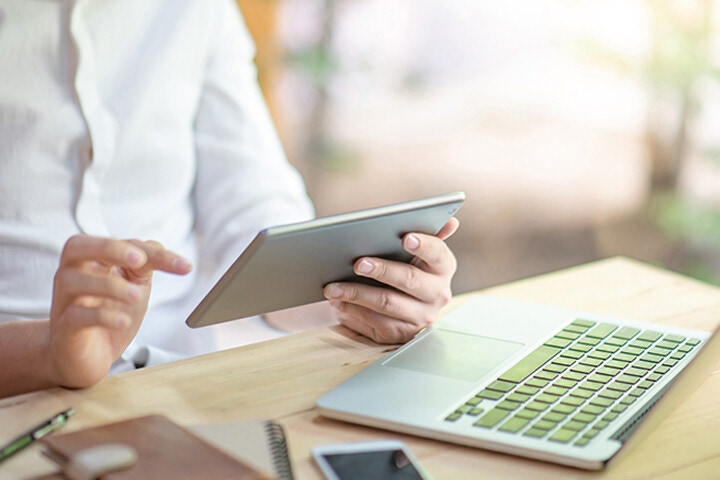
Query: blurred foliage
(317,65)
(684,219)
(679,56)
(696,227)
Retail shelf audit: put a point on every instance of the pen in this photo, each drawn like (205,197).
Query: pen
(33,434)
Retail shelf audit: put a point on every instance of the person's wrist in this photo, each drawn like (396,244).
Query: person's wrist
(47,367)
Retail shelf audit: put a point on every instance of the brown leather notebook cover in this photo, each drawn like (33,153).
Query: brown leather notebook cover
(164,448)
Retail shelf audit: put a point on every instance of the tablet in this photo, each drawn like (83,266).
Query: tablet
(288,266)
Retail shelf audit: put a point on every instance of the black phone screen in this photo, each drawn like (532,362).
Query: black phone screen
(380,465)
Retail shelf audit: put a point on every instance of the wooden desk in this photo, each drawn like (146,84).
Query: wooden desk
(282,378)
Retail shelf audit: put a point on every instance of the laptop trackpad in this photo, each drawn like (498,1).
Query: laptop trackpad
(453,354)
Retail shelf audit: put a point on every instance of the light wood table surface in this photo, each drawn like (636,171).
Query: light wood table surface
(282,378)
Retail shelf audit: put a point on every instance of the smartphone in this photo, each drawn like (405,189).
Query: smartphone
(377,460)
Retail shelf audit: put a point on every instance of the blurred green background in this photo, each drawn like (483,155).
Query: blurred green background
(579,129)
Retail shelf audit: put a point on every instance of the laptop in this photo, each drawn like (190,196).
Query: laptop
(554,384)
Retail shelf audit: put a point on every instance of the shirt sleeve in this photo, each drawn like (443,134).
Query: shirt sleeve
(244,181)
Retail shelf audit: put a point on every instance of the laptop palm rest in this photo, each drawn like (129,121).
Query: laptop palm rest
(453,354)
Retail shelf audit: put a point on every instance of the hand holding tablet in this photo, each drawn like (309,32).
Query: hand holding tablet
(288,266)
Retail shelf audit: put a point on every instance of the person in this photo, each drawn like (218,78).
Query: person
(143,120)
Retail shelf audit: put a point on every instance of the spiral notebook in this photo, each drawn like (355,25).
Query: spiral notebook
(240,440)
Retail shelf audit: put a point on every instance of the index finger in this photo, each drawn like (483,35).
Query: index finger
(108,251)
(157,258)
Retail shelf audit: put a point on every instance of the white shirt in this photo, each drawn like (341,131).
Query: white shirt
(134,119)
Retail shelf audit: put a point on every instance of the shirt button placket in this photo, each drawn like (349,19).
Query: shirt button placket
(101,125)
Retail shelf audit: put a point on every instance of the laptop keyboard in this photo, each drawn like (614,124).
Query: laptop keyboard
(573,386)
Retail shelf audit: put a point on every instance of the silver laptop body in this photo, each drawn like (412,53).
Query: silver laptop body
(448,381)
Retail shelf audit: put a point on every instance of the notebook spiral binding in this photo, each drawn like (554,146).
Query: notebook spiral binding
(279,451)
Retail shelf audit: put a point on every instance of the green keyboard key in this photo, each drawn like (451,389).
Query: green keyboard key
(564,383)
(600,378)
(632,350)
(525,413)
(573,376)
(545,398)
(602,330)
(643,365)
(575,426)
(575,329)
(609,417)
(663,352)
(556,390)
(490,394)
(546,375)
(563,409)
(574,354)
(536,382)
(500,386)
(533,361)
(641,344)
(558,342)
(580,347)
(563,435)
(619,387)
(674,338)
(590,386)
(592,409)
(585,369)
(475,412)
(693,341)
(474,401)
(608,371)
(649,336)
(518,397)
(602,401)
(565,361)
(584,394)
(514,425)
(616,364)
(507,405)
(554,417)
(599,355)
(616,341)
(606,347)
(651,358)
(544,425)
(624,357)
(668,345)
(527,390)
(629,379)
(537,406)
(567,335)
(627,332)
(453,416)
(589,341)
(535,432)
(583,418)
(583,323)
(581,442)
(636,372)
(555,368)
(611,394)
(491,418)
